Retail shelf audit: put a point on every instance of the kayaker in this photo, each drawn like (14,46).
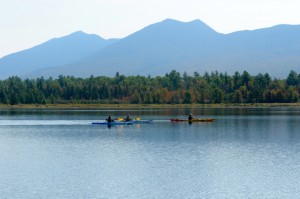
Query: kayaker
(190,117)
(128,118)
(109,119)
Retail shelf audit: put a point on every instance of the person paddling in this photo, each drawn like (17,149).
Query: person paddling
(128,118)
(109,119)
(190,117)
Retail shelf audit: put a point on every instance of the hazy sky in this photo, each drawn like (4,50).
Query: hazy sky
(26,23)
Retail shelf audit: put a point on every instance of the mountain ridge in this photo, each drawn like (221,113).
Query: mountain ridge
(54,52)
(188,47)
(185,50)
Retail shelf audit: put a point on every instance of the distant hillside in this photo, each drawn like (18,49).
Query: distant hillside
(193,46)
(153,50)
(55,52)
(170,44)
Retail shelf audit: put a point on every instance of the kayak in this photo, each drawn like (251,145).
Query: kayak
(140,121)
(112,123)
(194,120)
(123,122)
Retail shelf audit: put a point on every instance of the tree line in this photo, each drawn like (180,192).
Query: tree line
(172,88)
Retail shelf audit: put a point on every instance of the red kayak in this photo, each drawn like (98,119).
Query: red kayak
(194,120)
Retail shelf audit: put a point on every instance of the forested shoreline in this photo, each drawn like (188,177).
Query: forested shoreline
(172,88)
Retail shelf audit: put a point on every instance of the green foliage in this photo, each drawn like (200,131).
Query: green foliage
(172,88)
(292,79)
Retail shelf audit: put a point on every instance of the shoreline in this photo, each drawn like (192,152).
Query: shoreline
(144,106)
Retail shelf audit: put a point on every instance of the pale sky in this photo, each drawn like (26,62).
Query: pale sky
(26,23)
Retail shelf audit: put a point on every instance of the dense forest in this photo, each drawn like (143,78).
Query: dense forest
(173,88)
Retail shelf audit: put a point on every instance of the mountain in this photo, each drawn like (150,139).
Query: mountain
(192,46)
(188,46)
(153,50)
(55,52)
(275,50)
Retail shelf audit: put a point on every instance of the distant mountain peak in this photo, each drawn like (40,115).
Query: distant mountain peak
(78,35)
(201,24)
(81,34)
(196,24)
(196,21)
(78,32)
(175,27)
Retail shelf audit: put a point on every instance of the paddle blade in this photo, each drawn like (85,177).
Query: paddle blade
(137,118)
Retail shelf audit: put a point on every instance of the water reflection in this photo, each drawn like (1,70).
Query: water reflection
(245,153)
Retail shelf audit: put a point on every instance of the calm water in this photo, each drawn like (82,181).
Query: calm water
(245,153)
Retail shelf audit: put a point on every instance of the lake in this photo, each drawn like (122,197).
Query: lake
(245,153)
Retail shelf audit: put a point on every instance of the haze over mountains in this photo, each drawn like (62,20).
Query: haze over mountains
(160,48)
